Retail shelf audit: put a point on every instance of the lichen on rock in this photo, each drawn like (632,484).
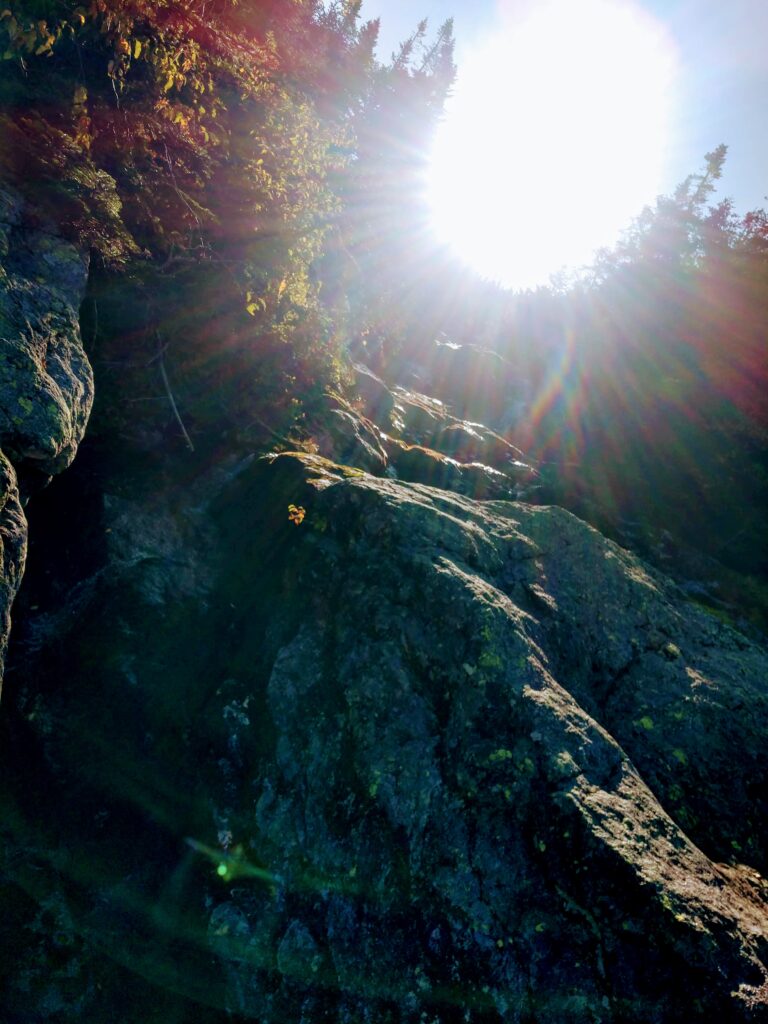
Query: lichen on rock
(46,382)
(446,773)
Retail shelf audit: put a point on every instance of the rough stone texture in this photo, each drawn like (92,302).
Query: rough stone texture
(46,383)
(448,810)
(424,465)
(416,758)
(417,438)
(377,400)
(403,757)
(475,442)
(350,437)
(13,547)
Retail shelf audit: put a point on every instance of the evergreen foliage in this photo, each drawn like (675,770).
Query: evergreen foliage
(656,374)
(227,135)
(261,175)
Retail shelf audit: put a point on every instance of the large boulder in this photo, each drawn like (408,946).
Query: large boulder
(511,771)
(421,441)
(46,383)
(348,436)
(358,749)
(13,547)
(417,464)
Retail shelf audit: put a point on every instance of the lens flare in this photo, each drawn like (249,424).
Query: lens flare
(554,139)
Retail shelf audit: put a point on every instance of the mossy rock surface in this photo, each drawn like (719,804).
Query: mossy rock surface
(409,755)
(13,548)
(46,383)
(479,742)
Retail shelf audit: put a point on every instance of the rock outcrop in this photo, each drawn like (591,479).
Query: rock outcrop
(297,740)
(411,436)
(411,757)
(46,384)
(501,776)
(13,540)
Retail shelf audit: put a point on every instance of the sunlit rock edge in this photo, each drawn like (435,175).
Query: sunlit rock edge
(500,766)
(467,669)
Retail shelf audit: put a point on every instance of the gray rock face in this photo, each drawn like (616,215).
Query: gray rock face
(415,758)
(507,764)
(46,383)
(351,438)
(403,757)
(13,547)
(415,437)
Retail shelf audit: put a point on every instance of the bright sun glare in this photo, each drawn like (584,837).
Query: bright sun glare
(554,138)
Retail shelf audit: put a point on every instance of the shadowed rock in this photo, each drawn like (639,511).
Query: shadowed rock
(13,547)
(46,384)
(469,760)
(451,818)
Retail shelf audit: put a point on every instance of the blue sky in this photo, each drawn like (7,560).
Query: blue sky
(722,85)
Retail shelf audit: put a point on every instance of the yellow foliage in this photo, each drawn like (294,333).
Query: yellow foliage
(296,514)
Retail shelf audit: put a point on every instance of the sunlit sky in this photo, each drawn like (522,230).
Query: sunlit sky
(668,79)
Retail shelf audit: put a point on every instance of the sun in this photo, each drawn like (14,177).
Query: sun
(554,139)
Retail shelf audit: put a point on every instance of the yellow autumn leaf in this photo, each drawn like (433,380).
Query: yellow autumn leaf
(296,514)
(136,49)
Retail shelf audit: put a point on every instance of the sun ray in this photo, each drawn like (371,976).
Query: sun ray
(554,139)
